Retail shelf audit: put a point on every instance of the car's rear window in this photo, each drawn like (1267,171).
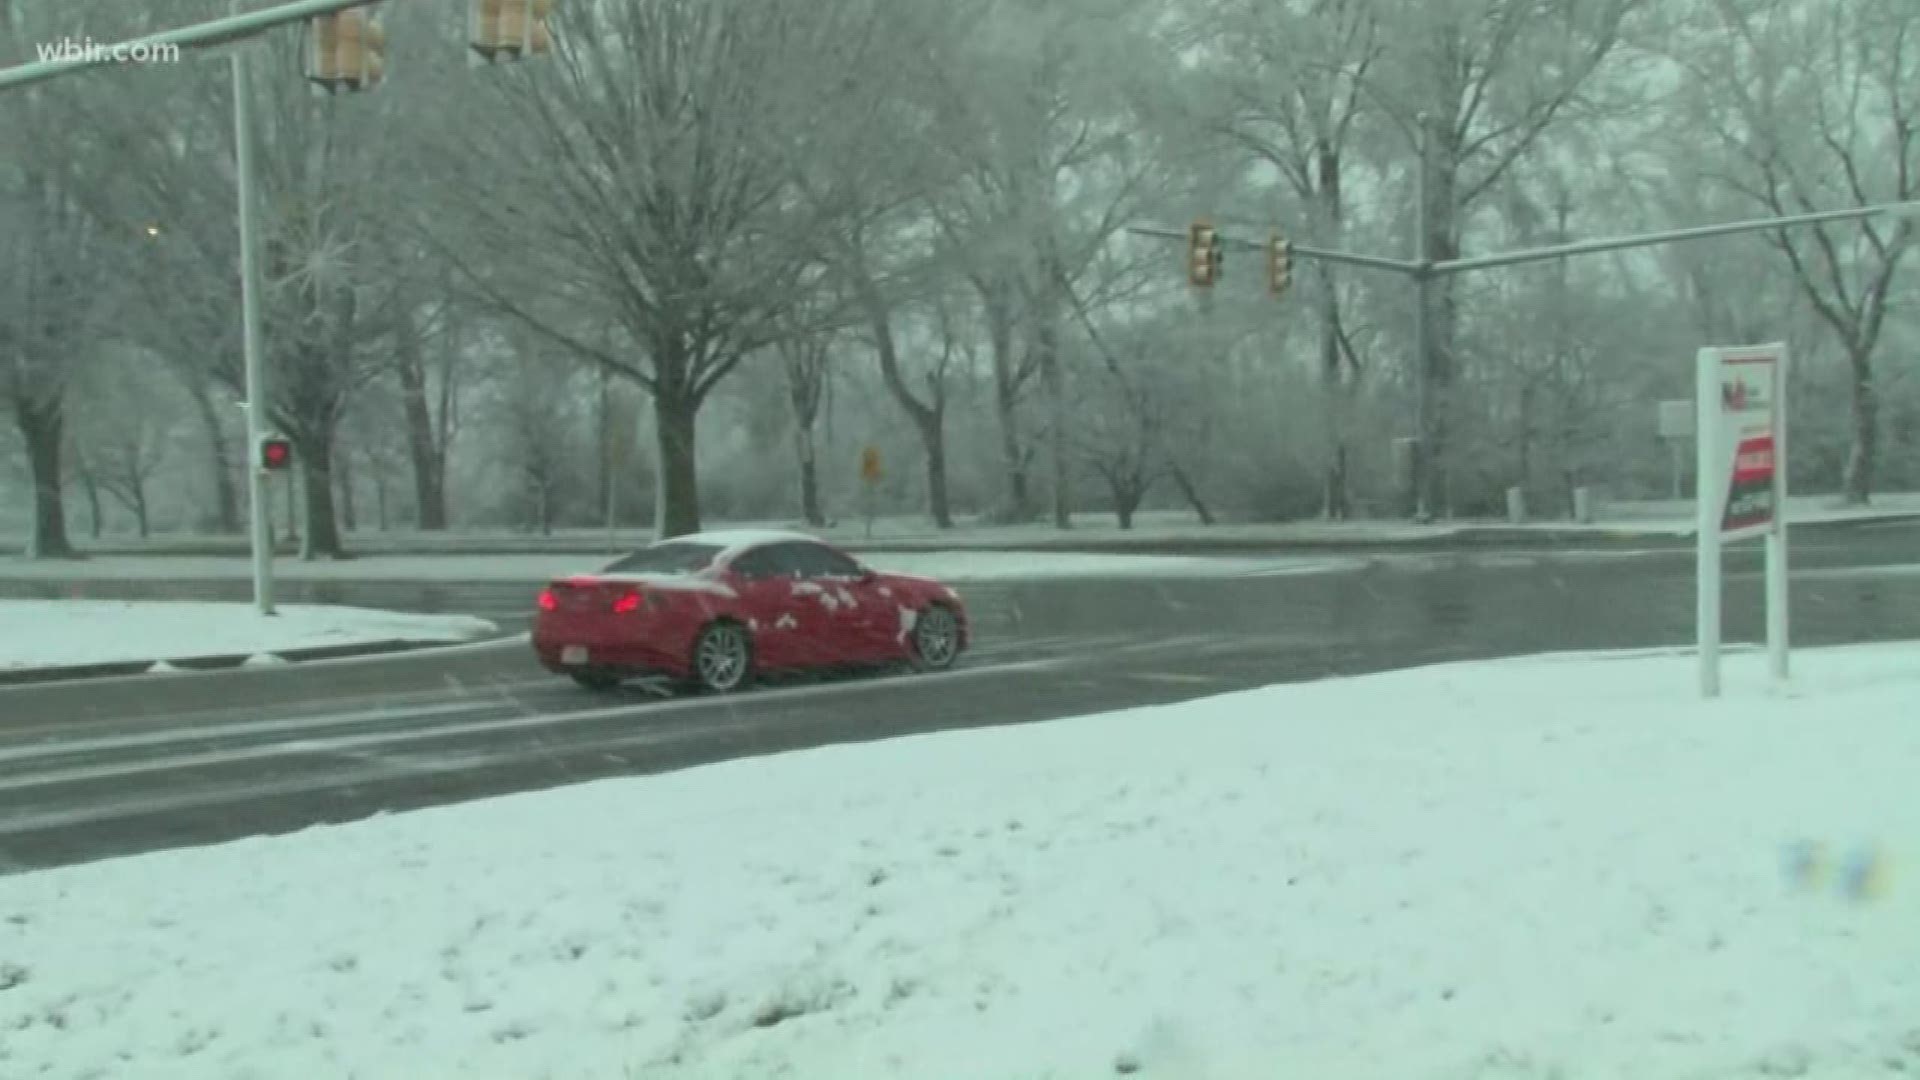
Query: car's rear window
(669,558)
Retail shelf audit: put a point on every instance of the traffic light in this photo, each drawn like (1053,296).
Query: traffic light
(1279,265)
(1206,257)
(276,453)
(510,29)
(346,50)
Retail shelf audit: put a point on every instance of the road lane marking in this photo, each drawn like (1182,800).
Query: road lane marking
(646,710)
(475,697)
(388,767)
(1181,677)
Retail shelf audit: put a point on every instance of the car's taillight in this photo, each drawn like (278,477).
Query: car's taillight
(548,601)
(626,603)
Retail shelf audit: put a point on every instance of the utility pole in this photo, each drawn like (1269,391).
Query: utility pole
(1423,358)
(259,525)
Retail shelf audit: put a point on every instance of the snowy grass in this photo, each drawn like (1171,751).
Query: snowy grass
(1554,869)
(52,633)
(955,566)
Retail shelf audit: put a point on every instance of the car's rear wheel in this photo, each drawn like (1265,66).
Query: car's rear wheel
(598,681)
(936,638)
(722,658)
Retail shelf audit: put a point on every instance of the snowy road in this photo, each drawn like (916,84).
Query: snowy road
(127,765)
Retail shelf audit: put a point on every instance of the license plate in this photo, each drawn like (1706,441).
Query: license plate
(573,654)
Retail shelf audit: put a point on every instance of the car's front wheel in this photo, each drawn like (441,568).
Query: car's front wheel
(722,658)
(936,638)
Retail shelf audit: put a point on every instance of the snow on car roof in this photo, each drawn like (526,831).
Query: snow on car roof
(733,541)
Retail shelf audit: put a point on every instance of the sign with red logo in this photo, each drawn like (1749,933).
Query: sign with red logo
(1742,439)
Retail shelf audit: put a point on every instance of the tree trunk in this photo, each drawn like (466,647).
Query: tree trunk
(90,487)
(96,515)
(933,437)
(380,499)
(805,364)
(423,449)
(1013,458)
(1058,449)
(603,420)
(1125,502)
(1191,492)
(219,463)
(806,456)
(42,427)
(138,490)
(1018,506)
(349,510)
(676,501)
(321,537)
(928,418)
(1437,369)
(1863,452)
(1524,466)
(1337,502)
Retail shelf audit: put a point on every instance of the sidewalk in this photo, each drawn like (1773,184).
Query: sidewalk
(47,639)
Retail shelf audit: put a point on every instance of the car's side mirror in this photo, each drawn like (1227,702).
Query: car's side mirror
(867,574)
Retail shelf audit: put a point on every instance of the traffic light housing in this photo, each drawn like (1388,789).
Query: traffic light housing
(1206,256)
(510,29)
(276,453)
(346,50)
(1279,265)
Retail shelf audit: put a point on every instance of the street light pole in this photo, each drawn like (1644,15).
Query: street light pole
(256,405)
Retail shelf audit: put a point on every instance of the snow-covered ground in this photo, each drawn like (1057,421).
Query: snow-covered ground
(51,633)
(1563,867)
(956,566)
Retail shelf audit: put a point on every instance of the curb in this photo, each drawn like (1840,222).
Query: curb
(223,662)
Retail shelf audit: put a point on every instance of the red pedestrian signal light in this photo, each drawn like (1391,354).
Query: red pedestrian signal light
(276,453)
(346,50)
(1206,257)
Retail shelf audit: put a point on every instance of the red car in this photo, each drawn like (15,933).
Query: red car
(714,609)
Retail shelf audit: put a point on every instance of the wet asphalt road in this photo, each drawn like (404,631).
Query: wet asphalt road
(109,767)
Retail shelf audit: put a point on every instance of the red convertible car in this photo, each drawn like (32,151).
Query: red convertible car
(714,609)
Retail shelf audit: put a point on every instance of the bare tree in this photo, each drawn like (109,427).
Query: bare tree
(1293,74)
(127,427)
(52,269)
(1809,106)
(1477,83)
(1040,120)
(806,361)
(644,177)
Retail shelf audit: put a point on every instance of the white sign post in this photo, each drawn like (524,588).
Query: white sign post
(1676,427)
(1741,438)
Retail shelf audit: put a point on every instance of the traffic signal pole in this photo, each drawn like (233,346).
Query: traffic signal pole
(236,27)
(258,524)
(1423,271)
